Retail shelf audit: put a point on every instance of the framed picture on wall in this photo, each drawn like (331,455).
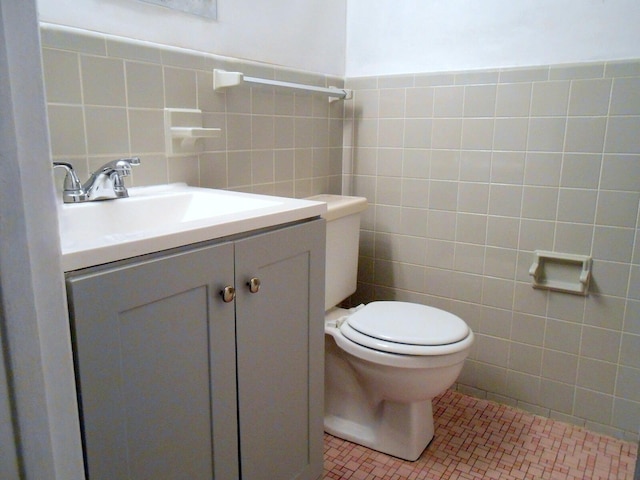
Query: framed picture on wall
(202,8)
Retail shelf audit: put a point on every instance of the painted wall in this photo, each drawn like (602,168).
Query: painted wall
(412,36)
(306,35)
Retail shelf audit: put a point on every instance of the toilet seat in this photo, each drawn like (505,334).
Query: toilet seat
(406,328)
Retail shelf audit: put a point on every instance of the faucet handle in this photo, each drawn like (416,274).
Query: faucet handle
(72,190)
(123,165)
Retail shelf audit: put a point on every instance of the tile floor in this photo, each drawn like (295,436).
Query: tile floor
(479,439)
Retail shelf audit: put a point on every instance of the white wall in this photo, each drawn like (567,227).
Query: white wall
(307,35)
(411,36)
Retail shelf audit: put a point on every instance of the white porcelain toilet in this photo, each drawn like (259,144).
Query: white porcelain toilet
(385,361)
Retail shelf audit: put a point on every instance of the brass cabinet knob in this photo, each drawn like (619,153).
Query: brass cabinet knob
(228,294)
(254,285)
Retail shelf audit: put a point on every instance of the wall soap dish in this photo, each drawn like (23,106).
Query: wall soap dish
(563,272)
(182,130)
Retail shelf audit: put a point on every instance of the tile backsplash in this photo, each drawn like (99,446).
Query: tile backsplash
(106,97)
(467,174)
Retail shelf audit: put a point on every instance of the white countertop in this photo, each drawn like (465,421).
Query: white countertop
(167,216)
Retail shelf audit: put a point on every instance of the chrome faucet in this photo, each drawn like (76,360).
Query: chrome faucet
(104,184)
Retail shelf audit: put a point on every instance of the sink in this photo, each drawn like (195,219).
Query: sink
(167,216)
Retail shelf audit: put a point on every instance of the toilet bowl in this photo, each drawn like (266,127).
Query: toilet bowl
(384,361)
(378,391)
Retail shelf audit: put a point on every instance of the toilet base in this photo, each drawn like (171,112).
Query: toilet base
(400,430)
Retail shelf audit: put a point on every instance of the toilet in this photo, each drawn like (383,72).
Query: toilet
(384,361)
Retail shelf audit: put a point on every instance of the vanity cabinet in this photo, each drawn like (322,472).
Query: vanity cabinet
(176,383)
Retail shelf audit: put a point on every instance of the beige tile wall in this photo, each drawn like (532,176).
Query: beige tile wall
(468,173)
(106,97)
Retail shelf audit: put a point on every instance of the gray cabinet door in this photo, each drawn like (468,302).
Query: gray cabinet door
(280,350)
(154,346)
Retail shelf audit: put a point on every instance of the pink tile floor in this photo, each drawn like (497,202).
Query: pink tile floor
(479,439)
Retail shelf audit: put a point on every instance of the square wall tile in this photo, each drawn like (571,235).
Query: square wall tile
(145,87)
(477,133)
(593,406)
(621,172)
(526,359)
(622,135)
(500,262)
(66,130)
(557,396)
(566,307)
(596,375)
(419,102)
(600,344)
(443,195)
(62,76)
(448,102)
(475,166)
(94,88)
(153,170)
(491,350)
(546,134)
(445,165)
(560,366)
(497,292)
(507,167)
(624,96)
(480,101)
(543,169)
(390,132)
(629,350)
(613,244)
(618,209)
(107,131)
(180,88)
(184,169)
(549,98)
(581,170)
(585,134)
(524,387)
(610,278)
(540,203)
(573,237)
(577,205)
(513,100)
(417,133)
(446,133)
(147,131)
(510,134)
(562,336)
(392,103)
(469,258)
(528,329)
(471,228)
(473,197)
(590,97)
(627,384)
(505,200)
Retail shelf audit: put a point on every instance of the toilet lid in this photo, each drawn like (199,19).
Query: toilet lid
(407,323)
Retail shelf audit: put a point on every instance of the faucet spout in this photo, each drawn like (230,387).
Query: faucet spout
(107,183)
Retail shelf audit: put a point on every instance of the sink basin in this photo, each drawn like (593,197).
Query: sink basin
(167,216)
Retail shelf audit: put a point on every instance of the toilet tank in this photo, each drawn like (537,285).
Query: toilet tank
(343,237)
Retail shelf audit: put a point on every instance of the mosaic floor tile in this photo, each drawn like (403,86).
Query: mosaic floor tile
(479,439)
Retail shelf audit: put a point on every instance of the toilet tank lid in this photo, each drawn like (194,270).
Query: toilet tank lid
(339,206)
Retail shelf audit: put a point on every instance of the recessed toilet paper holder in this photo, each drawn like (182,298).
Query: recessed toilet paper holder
(563,272)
